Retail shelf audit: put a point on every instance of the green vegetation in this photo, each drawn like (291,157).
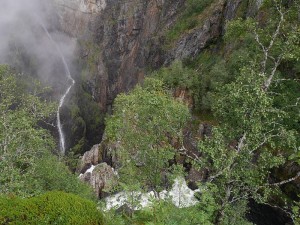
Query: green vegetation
(50,208)
(163,213)
(143,124)
(252,88)
(189,18)
(178,76)
(240,171)
(85,120)
(53,175)
(27,164)
(21,140)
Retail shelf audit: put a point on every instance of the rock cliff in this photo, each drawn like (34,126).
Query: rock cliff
(129,38)
(120,41)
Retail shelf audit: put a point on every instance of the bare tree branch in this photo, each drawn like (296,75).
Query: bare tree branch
(286,181)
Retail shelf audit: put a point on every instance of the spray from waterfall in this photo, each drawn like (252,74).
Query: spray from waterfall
(63,97)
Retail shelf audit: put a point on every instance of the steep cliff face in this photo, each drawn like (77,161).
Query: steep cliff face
(127,33)
(120,41)
(126,38)
(76,15)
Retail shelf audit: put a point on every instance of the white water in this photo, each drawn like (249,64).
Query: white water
(63,97)
(180,195)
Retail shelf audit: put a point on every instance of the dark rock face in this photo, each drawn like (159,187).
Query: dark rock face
(195,176)
(129,35)
(231,8)
(191,44)
(267,215)
(119,40)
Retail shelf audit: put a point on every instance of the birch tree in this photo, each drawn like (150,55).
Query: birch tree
(253,136)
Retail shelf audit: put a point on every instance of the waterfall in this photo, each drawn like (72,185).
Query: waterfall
(62,99)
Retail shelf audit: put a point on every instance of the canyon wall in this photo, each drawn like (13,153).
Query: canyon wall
(120,41)
(130,37)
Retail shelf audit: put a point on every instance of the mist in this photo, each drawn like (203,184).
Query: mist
(25,45)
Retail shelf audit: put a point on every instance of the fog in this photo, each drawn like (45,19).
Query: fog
(25,45)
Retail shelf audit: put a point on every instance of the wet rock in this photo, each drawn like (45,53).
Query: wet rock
(125,210)
(92,157)
(101,177)
(76,15)
(126,35)
(130,37)
(253,7)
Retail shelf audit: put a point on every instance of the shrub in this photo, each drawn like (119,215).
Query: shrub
(53,175)
(50,208)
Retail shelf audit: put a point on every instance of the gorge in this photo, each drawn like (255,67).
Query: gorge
(133,94)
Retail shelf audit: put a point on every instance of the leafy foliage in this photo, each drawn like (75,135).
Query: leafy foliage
(22,141)
(27,164)
(143,124)
(85,119)
(163,213)
(253,90)
(177,75)
(253,136)
(49,208)
(51,174)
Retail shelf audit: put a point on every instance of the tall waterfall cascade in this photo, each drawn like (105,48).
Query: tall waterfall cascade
(62,141)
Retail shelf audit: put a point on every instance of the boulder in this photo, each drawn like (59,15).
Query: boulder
(92,157)
(101,177)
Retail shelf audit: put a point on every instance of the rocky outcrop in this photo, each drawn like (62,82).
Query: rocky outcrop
(95,171)
(195,176)
(99,153)
(76,15)
(90,158)
(231,8)
(197,39)
(128,34)
(184,95)
(101,177)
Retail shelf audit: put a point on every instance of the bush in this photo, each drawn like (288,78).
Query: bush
(163,213)
(50,208)
(52,175)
